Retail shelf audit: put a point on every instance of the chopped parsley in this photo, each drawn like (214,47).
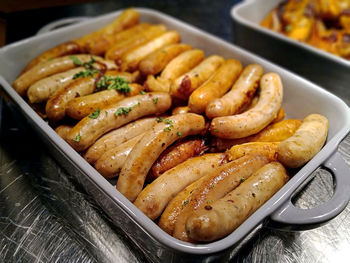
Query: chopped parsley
(77,138)
(76,61)
(242,179)
(212,186)
(210,201)
(118,83)
(185,203)
(125,110)
(288,28)
(86,73)
(95,114)
(142,92)
(159,119)
(155,100)
(167,121)
(179,134)
(167,129)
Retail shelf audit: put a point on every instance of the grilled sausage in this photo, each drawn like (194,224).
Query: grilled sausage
(216,86)
(81,107)
(41,90)
(176,154)
(183,86)
(255,119)
(275,132)
(63,130)
(110,163)
(48,68)
(306,142)
(147,150)
(216,186)
(99,41)
(88,130)
(135,40)
(131,60)
(117,137)
(223,216)
(176,67)
(154,198)
(239,96)
(156,61)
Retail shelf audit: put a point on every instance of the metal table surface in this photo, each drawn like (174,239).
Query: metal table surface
(45,215)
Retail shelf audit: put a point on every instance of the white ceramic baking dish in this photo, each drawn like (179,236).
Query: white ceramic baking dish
(301,98)
(321,67)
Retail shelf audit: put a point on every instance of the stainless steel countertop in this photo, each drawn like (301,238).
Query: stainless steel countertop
(45,215)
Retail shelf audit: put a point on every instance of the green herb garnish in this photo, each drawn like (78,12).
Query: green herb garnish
(86,73)
(123,111)
(76,61)
(77,138)
(142,92)
(242,179)
(118,83)
(159,119)
(95,114)
(155,100)
(179,134)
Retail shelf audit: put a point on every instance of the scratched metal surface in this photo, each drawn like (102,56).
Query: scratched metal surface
(45,215)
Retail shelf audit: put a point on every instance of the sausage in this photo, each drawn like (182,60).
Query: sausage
(180,110)
(147,150)
(110,163)
(41,90)
(81,107)
(154,198)
(239,96)
(48,68)
(58,104)
(117,137)
(88,130)
(135,40)
(176,154)
(168,218)
(268,149)
(156,61)
(255,119)
(280,116)
(275,132)
(306,142)
(66,48)
(99,41)
(223,216)
(183,86)
(63,130)
(131,60)
(216,86)
(176,67)
(216,186)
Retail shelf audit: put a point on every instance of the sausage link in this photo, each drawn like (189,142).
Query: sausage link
(88,130)
(63,130)
(156,61)
(176,154)
(216,86)
(183,86)
(117,137)
(154,198)
(131,60)
(110,163)
(306,142)
(240,95)
(223,216)
(217,185)
(48,68)
(255,119)
(81,107)
(275,132)
(147,150)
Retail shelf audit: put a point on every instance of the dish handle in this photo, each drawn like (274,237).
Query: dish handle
(288,214)
(61,23)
